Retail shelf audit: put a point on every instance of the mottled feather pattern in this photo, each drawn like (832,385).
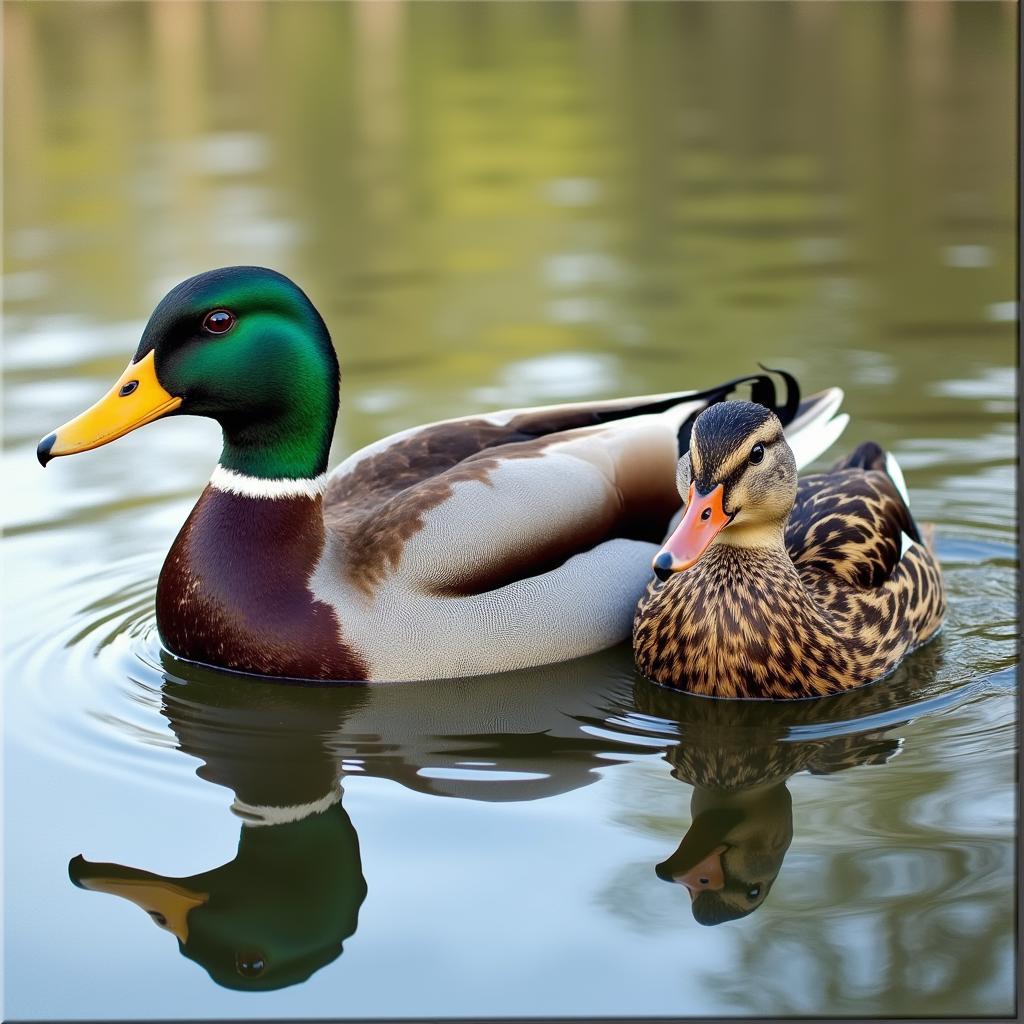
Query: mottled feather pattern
(849,523)
(735,768)
(838,608)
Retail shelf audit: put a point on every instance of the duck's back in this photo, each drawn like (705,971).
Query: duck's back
(497,542)
(859,551)
(549,465)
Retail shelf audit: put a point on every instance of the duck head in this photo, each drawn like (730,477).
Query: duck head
(738,481)
(242,345)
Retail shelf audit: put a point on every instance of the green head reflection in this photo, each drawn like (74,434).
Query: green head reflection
(280,910)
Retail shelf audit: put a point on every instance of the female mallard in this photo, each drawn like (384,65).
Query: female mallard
(774,588)
(476,545)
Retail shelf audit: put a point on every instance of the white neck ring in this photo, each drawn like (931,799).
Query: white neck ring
(261,815)
(260,487)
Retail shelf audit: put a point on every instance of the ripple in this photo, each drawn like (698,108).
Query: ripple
(100,693)
(96,690)
(89,693)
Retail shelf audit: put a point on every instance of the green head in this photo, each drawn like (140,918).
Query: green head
(242,345)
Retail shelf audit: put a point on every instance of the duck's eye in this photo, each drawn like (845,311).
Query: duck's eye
(753,892)
(756,454)
(250,963)
(220,321)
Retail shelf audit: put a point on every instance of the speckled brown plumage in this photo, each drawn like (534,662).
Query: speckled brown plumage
(837,608)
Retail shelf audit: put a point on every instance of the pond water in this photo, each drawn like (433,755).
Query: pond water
(495,205)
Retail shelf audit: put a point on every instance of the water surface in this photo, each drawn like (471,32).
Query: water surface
(496,205)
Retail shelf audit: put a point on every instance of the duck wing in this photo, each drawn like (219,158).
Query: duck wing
(402,460)
(472,504)
(853,521)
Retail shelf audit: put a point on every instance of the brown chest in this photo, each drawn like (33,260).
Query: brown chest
(738,625)
(233,590)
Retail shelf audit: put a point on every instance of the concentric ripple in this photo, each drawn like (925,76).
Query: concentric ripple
(101,692)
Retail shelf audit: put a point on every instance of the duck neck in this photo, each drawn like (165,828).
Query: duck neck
(763,536)
(292,445)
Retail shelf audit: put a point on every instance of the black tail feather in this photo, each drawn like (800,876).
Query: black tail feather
(544,421)
(762,391)
(865,456)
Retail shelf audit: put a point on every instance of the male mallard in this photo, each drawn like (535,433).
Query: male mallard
(475,545)
(774,588)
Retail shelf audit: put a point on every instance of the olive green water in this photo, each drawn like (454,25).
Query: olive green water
(493,206)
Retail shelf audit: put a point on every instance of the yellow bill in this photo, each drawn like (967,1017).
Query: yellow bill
(136,398)
(167,903)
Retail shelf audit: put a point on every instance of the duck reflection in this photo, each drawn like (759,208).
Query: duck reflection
(738,756)
(269,918)
(284,906)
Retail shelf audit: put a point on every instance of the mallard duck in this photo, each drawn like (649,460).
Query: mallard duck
(475,545)
(772,587)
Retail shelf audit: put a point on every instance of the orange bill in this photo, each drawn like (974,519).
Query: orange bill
(704,519)
(697,863)
(707,875)
(136,398)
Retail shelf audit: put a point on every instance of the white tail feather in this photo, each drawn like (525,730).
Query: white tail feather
(892,467)
(906,543)
(817,429)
